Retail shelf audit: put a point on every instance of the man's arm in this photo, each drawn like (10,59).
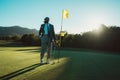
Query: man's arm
(53,32)
(41,30)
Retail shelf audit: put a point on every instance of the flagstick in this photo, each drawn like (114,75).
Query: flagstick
(61,23)
(60,35)
(61,30)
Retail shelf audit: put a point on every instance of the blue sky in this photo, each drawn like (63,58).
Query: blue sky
(84,15)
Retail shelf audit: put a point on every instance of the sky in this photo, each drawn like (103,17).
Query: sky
(84,15)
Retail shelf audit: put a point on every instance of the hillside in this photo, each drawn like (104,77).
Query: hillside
(16,30)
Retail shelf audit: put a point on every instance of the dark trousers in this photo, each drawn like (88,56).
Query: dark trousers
(46,46)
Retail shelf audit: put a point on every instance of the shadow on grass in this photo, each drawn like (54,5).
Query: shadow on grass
(36,50)
(29,50)
(18,72)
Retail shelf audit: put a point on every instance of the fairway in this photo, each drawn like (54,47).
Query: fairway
(22,63)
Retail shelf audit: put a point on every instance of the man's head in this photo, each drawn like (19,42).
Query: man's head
(46,19)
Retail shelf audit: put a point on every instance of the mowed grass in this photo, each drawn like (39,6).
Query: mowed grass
(22,63)
(14,60)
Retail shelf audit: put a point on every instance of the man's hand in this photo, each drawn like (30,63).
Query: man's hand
(56,43)
(40,36)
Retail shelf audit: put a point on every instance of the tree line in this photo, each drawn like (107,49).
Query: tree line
(104,38)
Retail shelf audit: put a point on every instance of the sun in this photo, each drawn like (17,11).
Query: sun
(94,21)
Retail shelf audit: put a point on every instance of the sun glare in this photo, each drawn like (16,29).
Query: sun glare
(94,21)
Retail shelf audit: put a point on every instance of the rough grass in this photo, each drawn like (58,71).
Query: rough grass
(74,65)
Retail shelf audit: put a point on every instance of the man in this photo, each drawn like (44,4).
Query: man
(47,35)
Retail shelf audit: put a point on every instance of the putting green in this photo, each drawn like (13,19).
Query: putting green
(21,63)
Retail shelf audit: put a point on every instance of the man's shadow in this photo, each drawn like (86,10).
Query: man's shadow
(18,72)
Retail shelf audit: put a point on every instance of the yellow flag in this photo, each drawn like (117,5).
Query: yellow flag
(65,14)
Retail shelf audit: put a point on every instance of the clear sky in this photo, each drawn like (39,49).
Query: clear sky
(83,14)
